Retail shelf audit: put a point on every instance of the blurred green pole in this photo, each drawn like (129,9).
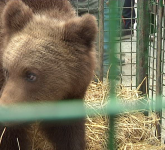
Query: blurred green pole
(113,70)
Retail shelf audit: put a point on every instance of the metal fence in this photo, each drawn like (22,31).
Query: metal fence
(138,58)
(156,57)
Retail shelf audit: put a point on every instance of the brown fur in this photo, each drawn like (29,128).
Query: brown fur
(45,41)
(2,4)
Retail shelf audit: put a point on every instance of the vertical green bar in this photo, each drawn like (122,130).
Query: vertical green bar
(158,67)
(142,43)
(101,38)
(112,61)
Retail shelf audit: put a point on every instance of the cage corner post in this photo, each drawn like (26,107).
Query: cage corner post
(158,69)
(142,44)
(101,38)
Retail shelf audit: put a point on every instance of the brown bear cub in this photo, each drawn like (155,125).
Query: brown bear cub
(47,53)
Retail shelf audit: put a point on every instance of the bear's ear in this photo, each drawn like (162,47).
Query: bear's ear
(15,16)
(81,30)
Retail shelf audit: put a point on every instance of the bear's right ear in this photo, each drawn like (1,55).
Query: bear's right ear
(81,30)
(15,16)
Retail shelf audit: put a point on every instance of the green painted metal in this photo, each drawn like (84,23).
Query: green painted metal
(65,110)
(113,10)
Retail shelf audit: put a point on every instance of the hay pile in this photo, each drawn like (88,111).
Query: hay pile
(134,131)
(97,127)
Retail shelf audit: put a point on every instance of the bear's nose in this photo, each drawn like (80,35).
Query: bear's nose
(10,93)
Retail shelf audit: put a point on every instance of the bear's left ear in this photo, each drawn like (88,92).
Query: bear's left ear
(81,30)
(15,16)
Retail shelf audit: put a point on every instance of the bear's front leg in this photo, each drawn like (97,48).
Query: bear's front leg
(66,136)
(14,138)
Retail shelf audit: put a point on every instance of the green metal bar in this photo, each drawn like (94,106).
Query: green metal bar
(113,23)
(158,66)
(142,43)
(66,110)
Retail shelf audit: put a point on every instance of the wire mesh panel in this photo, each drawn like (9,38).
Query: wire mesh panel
(152,49)
(125,41)
(125,19)
(156,57)
(129,40)
(140,48)
(126,44)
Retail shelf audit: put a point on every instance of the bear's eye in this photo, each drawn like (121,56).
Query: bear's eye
(31,77)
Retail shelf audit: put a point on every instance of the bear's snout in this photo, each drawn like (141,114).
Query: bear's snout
(11,94)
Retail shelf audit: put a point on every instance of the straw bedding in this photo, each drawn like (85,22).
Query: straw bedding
(134,131)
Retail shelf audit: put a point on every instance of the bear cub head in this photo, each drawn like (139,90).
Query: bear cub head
(46,57)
